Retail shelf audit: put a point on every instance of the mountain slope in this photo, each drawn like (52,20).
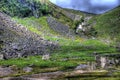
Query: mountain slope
(18,41)
(51,26)
(108,24)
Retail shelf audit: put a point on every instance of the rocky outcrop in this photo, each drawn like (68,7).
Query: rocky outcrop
(17,41)
(72,16)
(86,30)
(59,27)
(107,60)
(5,71)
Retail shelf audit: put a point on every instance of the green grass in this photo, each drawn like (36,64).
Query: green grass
(36,61)
(107,25)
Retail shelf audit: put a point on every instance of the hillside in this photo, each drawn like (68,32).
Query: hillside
(18,41)
(39,39)
(107,25)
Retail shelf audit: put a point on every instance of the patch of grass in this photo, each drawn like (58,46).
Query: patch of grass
(36,61)
(36,25)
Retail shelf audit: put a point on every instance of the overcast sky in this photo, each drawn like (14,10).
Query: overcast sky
(92,6)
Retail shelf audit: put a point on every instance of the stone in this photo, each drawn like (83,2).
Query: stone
(27,69)
(5,71)
(1,57)
(92,66)
(46,57)
(103,62)
(13,67)
(82,67)
(59,27)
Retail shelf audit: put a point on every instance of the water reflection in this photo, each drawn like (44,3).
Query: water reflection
(92,6)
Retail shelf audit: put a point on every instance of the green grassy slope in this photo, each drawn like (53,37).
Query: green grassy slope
(108,24)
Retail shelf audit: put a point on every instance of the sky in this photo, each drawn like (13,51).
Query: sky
(92,6)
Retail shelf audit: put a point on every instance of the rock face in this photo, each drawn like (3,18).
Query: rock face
(108,60)
(5,71)
(84,28)
(17,41)
(72,16)
(59,27)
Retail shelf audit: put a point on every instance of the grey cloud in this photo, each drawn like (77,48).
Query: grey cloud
(86,5)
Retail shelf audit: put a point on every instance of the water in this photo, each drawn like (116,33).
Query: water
(91,6)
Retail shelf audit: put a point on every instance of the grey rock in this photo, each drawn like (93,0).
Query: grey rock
(27,69)
(5,71)
(81,67)
(46,57)
(1,57)
(57,26)
(18,42)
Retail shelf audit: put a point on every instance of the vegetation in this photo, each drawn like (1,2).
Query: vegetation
(107,25)
(24,8)
(36,61)
(73,50)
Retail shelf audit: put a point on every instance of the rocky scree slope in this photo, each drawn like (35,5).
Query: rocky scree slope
(16,41)
(67,21)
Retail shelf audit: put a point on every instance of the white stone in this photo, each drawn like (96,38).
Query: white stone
(79,28)
(103,62)
(1,56)
(46,57)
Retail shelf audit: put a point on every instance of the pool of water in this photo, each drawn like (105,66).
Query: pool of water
(91,6)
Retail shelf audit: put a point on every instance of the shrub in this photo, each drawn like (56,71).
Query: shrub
(24,8)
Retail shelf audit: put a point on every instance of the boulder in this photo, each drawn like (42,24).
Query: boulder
(46,57)
(27,69)
(82,67)
(1,57)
